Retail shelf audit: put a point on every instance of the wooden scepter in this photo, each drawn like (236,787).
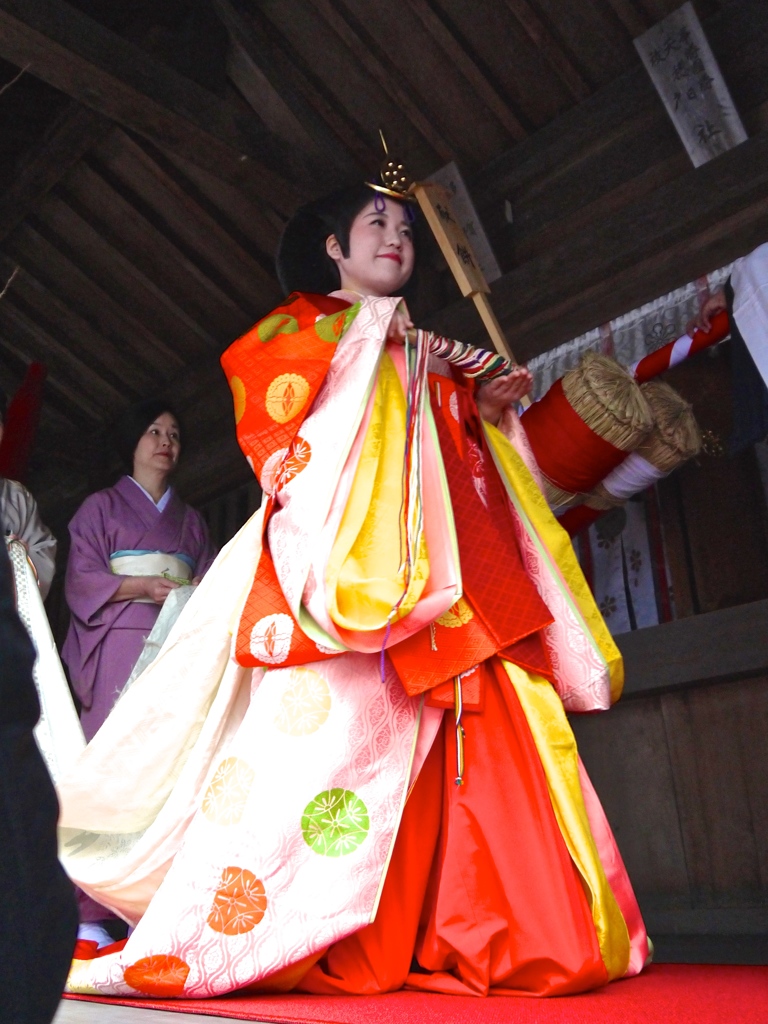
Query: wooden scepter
(435,203)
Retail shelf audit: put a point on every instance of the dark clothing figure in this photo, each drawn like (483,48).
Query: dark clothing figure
(38,916)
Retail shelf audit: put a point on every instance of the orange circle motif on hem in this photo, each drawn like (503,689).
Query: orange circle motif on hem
(239,904)
(296,460)
(161,975)
(238,396)
(286,397)
(227,794)
(458,614)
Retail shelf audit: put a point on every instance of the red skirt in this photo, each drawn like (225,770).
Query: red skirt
(481,894)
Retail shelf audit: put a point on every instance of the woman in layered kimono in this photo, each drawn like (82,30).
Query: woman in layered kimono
(353,769)
(131,545)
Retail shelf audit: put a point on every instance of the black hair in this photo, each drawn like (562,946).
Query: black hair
(132,424)
(3,407)
(303,264)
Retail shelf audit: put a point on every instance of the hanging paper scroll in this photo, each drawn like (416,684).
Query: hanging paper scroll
(677,56)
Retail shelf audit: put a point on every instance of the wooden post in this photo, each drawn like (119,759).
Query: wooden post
(435,203)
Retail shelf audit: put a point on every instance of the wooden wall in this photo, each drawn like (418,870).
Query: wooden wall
(681,766)
(713,510)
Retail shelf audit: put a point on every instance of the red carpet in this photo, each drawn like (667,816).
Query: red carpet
(665,994)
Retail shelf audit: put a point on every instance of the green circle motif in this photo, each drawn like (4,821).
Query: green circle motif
(335,823)
(278,323)
(331,328)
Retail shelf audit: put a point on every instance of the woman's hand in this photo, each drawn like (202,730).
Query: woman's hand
(156,588)
(398,325)
(494,397)
(715,304)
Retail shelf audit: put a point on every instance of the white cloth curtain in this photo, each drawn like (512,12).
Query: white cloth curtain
(630,336)
(622,572)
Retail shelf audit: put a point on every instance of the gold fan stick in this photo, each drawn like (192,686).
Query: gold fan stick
(435,204)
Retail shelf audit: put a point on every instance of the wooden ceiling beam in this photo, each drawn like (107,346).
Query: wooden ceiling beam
(634,21)
(55,316)
(614,112)
(386,75)
(554,54)
(70,137)
(608,115)
(458,53)
(323,102)
(111,75)
(156,191)
(73,378)
(689,226)
(108,267)
(58,417)
(126,229)
(29,247)
(264,76)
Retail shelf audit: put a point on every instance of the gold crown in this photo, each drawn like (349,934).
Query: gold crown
(394,181)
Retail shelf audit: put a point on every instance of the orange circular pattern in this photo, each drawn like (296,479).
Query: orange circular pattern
(226,796)
(160,975)
(239,904)
(286,397)
(458,614)
(297,459)
(238,396)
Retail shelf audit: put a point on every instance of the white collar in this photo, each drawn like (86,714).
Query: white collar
(159,505)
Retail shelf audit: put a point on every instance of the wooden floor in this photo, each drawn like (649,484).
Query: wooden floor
(72,1012)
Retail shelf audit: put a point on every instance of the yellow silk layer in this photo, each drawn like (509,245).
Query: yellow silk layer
(556,745)
(364,576)
(531,502)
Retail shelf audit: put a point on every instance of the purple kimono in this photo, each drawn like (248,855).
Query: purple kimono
(104,640)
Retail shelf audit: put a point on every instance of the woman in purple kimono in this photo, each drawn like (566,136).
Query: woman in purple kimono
(131,545)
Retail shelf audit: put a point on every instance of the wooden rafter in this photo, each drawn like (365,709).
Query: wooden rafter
(633,20)
(656,10)
(52,314)
(287,103)
(74,132)
(124,227)
(554,54)
(75,377)
(322,101)
(59,416)
(385,74)
(161,197)
(108,265)
(28,247)
(111,75)
(689,226)
(619,135)
(458,52)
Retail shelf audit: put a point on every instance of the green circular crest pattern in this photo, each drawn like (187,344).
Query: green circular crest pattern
(335,823)
(278,323)
(331,328)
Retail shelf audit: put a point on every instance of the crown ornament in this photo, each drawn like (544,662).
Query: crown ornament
(393,179)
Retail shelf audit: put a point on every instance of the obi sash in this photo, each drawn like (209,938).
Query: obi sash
(178,567)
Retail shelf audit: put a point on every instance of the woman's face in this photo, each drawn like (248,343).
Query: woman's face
(159,446)
(381,250)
